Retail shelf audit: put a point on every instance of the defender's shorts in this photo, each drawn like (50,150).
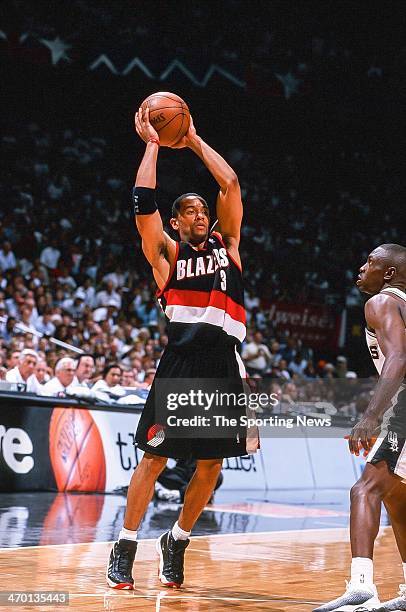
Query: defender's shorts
(391,443)
(218,363)
(392,449)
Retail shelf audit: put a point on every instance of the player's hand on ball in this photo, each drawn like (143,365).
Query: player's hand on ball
(143,126)
(187,140)
(363,435)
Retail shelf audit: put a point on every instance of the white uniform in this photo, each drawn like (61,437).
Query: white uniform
(390,445)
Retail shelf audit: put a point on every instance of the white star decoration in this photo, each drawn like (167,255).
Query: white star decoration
(58,49)
(290,83)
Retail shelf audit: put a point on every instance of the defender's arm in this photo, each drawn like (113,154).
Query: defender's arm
(384,315)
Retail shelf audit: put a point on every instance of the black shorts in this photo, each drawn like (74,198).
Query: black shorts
(392,449)
(391,443)
(208,364)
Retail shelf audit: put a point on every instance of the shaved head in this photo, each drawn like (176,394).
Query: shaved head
(385,266)
(393,255)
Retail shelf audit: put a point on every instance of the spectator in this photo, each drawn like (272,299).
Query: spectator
(41,371)
(149,378)
(84,370)
(298,365)
(289,398)
(13,359)
(128,378)
(108,296)
(148,314)
(256,355)
(24,371)
(50,255)
(283,369)
(61,383)
(75,306)
(111,379)
(341,366)
(44,324)
(275,352)
(7,258)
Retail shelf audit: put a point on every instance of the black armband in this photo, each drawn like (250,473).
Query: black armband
(143,199)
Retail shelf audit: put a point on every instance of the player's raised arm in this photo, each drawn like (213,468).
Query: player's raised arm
(384,315)
(157,246)
(229,207)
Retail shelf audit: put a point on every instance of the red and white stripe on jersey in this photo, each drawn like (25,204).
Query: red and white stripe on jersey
(215,308)
(204,294)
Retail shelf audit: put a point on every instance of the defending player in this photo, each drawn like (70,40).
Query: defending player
(384,277)
(201,292)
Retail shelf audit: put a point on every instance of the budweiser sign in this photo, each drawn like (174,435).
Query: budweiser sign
(317,326)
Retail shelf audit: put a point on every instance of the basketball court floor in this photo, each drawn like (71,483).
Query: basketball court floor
(280,551)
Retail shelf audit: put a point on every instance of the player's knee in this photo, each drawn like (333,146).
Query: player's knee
(154,463)
(210,468)
(364,490)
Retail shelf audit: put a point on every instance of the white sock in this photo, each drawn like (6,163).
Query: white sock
(404,570)
(362,571)
(127,534)
(178,533)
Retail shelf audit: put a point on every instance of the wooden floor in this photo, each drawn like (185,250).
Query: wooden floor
(279,571)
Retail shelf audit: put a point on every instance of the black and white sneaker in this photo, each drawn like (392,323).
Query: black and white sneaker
(171,558)
(119,569)
(398,604)
(355,595)
(164,494)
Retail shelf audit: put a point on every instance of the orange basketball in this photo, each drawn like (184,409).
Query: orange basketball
(76,451)
(169,115)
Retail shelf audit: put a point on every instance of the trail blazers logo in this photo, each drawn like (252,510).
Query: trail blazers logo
(155,435)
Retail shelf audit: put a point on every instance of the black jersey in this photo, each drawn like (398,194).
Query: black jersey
(203,298)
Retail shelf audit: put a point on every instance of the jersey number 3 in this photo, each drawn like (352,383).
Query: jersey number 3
(223,278)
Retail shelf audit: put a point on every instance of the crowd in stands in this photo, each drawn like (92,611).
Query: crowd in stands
(71,269)
(71,265)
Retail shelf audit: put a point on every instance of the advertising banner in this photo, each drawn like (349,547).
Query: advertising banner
(317,326)
(73,448)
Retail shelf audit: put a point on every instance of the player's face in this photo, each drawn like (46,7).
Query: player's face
(193,221)
(371,276)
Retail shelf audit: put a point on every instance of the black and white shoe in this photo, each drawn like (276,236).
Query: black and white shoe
(397,604)
(119,569)
(365,597)
(171,558)
(164,494)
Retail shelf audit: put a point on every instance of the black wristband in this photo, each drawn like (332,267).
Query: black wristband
(143,199)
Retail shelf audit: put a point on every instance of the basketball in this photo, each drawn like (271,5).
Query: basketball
(169,115)
(76,451)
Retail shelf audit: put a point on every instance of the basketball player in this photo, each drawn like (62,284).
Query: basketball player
(384,277)
(201,293)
